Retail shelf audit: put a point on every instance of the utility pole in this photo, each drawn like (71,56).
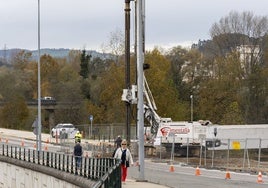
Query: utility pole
(140,75)
(127,62)
(38,135)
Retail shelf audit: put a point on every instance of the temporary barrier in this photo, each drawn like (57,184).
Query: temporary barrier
(197,171)
(259,179)
(227,175)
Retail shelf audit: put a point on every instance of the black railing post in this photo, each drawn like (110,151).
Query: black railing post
(33,156)
(55,161)
(67,165)
(59,161)
(47,159)
(15,152)
(63,163)
(72,165)
(38,157)
(29,155)
(85,166)
(51,160)
(20,153)
(43,157)
(89,176)
(11,154)
(24,153)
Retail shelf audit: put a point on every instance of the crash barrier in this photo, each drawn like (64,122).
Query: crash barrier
(102,172)
(250,154)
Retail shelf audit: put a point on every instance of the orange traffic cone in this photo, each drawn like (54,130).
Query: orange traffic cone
(34,146)
(259,179)
(45,147)
(227,175)
(171,168)
(47,140)
(6,140)
(197,171)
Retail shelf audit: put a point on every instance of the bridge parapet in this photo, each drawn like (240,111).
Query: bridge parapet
(94,172)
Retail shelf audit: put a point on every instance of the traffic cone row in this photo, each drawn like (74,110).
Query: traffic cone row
(228,175)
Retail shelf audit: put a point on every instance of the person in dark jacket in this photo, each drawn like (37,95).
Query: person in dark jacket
(118,141)
(78,152)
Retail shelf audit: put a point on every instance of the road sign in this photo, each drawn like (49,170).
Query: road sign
(91,117)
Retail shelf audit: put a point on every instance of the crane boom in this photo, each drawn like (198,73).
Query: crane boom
(150,110)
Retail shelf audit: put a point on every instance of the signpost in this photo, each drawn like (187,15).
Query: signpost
(91,119)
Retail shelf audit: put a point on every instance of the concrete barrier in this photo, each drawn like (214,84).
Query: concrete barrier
(22,174)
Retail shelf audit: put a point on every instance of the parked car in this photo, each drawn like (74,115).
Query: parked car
(64,130)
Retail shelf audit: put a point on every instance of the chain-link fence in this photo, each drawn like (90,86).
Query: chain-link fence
(107,131)
(233,154)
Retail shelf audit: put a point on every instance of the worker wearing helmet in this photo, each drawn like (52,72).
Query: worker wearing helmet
(78,137)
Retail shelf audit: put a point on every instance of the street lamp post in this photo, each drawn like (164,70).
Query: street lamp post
(39,127)
(192,106)
(127,61)
(90,132)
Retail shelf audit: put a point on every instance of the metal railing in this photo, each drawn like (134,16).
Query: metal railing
(250,154)
(106,172)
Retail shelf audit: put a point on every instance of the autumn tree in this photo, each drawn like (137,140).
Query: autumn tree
(14,113)
(162,85)
(244,33)
(84,65)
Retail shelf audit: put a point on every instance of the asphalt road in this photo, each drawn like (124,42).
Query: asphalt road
(184,177)
(159,173)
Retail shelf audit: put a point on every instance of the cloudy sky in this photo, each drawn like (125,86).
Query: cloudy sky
(78,24)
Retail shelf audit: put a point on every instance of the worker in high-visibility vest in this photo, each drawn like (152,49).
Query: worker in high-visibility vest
(77,137)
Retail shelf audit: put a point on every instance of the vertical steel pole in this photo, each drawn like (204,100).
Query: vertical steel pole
(127,61)
(38,135)
(192,104)
(140,62)
(259,155)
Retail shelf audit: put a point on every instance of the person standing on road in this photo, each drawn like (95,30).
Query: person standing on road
(123,154)
(118,141)
(78,137)
(78,152)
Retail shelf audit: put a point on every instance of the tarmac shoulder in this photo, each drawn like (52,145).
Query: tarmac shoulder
(132,183)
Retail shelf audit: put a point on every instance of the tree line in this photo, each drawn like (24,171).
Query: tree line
(226,75)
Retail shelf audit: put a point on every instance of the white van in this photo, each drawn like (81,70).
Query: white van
(64,128)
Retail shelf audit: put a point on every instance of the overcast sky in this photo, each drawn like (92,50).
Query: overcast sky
(78,24)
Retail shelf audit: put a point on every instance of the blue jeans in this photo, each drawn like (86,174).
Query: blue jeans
(78,160)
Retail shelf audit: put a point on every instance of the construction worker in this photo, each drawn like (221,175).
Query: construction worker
(78,137)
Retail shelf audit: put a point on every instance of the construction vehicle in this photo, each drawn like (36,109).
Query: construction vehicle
(164,131)
(187,137)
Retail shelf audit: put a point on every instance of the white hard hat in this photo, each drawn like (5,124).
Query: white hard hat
(77,132)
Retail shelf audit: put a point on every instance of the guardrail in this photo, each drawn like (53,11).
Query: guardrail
(105,172)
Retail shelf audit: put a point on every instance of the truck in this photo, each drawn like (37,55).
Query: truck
(186,137)
(164,131)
